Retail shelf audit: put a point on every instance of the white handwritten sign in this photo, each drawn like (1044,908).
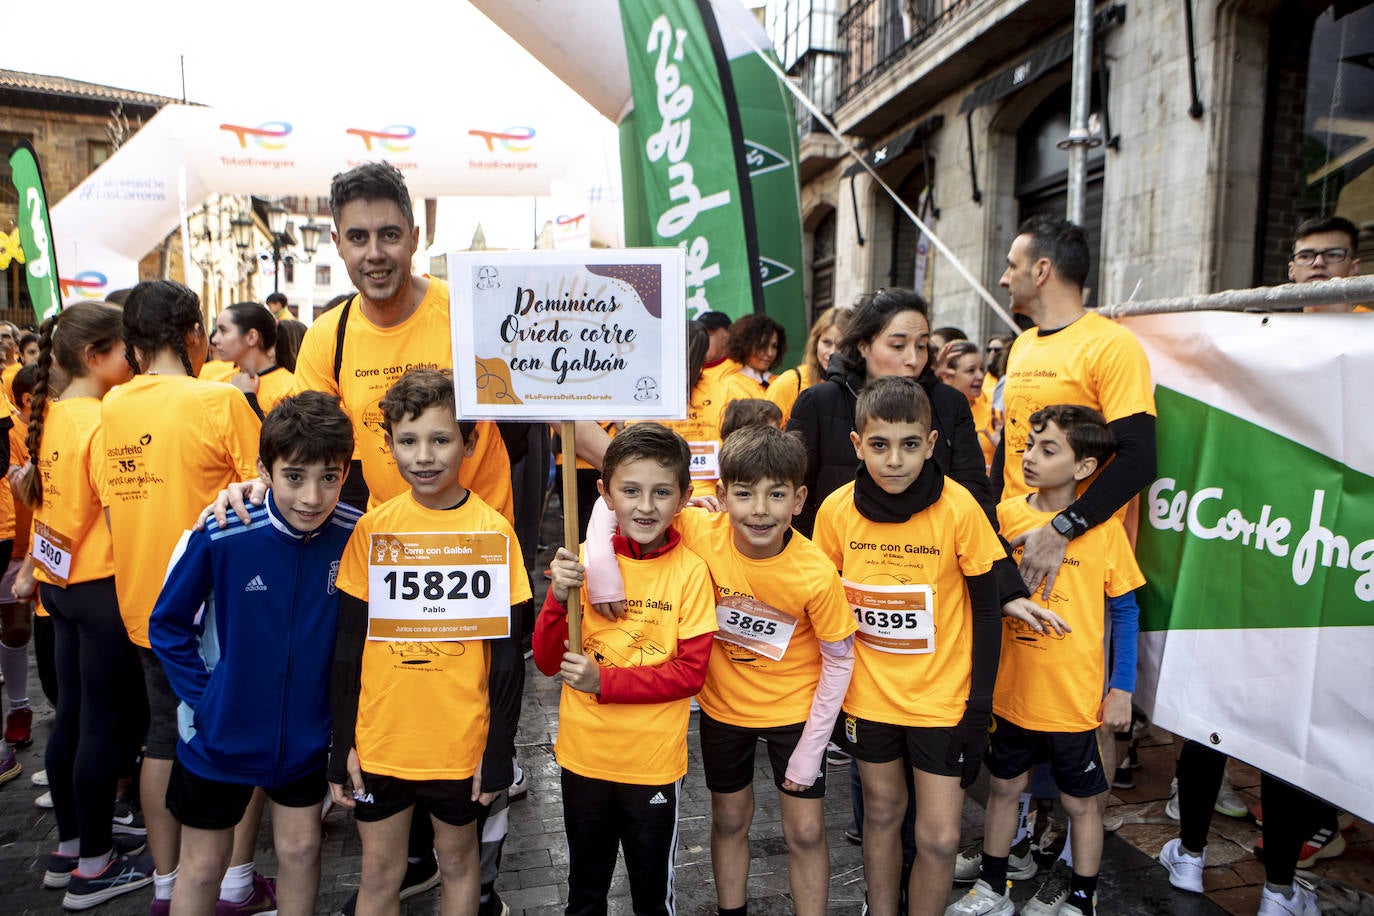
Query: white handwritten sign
(566,335)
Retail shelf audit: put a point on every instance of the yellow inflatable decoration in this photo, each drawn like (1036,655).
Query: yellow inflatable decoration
(10,249)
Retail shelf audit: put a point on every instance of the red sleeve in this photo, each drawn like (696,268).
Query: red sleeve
(675,680)
(550,633)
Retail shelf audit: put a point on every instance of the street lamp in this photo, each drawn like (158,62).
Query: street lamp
(242,226)
(281,238)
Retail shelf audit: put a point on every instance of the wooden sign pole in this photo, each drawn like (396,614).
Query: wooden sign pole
(570,539)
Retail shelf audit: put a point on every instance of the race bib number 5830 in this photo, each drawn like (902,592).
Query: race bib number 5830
(438,586)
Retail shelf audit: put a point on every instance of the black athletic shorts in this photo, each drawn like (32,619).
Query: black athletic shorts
(926,749)
(450,800)
(727,756)
(208,804)
(161,743)
(1074,758)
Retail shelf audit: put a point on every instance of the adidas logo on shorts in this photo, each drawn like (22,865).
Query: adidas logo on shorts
(658,799)
(255,584)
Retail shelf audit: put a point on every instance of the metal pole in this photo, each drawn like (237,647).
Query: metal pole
(1078,107)
(1263,298)
(276,263)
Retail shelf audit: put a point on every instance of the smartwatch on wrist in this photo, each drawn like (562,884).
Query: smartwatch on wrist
(1064,525)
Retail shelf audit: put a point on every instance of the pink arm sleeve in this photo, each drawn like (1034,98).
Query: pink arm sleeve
(837,665)
(604,582)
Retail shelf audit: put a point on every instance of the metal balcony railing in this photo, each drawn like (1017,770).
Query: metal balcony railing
(875,34)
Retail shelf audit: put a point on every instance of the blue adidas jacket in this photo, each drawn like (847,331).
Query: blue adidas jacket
(245,628)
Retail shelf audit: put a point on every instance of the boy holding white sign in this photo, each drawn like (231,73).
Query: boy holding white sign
(780,662)
(426,683)
(622,718)
(915,551)
(1049,700)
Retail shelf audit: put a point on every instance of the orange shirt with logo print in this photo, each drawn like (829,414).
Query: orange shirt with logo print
(1093,362)
(273,385)
(374,358)
(71,512)
(797,590)
(937,547)
(669,600)
(167,445)
(1053,683)
(423,708)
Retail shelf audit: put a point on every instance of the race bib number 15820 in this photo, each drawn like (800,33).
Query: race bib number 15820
(438,586)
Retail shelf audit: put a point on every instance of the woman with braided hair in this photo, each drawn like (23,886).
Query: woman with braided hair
(171,442)
(97,669)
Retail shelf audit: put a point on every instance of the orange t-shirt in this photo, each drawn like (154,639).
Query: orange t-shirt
(913,654)
(785,388)
(274,385)
(766,659)
(669,599)
(217,370)
(7,500)
(1093,362)
(423,710)
(736,383)
(1053,683)
(982,421)
(701,429)
(167,445)
(72,543)
(23,515)
(373,359)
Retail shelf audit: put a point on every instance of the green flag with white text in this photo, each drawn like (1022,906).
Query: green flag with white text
(35,232)
(1257,543)
(709,159)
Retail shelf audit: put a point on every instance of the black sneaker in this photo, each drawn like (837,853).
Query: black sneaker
(123,875)
(492,904)
(59,871)
(128,818)
(420,877)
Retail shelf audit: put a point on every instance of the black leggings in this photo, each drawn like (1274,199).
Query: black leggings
(100,691)
(1291,815)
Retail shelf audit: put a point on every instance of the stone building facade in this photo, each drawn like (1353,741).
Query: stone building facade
(959,105)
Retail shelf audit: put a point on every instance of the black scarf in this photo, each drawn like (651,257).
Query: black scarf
(877,505)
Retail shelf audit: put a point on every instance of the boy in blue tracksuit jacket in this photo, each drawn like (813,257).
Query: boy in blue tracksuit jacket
(245,628)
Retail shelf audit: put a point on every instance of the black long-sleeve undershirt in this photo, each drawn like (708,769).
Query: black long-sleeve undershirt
(987,638)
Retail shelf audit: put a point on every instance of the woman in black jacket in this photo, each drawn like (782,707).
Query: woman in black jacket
(888,334)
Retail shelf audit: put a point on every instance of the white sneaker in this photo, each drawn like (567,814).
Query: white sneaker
(1302,903)
(1228,802)
(520,788)
(1052,893)
(1185,871)
(44,800)
(981,900)
(1171,806)
(968,866)
(39,778)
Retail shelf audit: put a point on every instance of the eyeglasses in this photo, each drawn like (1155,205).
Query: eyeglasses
(1330,255)
(992,350)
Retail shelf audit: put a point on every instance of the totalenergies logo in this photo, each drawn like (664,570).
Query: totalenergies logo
(268,135)
(89,284)
(390,139)
(512,139)
(572,223)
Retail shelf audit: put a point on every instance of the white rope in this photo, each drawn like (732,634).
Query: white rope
(819,115)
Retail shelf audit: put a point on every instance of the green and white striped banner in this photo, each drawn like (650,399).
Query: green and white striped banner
(1257,541)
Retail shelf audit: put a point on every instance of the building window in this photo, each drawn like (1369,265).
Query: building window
(322,275)
(97,151)
(1042,178)
(288,267)
(8,141)
(1319,141)
(823,265)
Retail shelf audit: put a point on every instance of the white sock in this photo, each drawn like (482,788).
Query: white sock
(1022,818)
(163,884)
(237,884)
(1067,855)
(14,661)
(1287,892)
(92,867)
(69,848)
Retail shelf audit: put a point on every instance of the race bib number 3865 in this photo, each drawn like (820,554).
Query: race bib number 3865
(438,586)
(894,618)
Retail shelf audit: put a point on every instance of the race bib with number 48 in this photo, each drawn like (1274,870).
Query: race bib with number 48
(429,587)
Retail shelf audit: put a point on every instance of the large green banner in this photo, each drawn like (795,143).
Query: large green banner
(1257,543)
(35,233)
(709,160)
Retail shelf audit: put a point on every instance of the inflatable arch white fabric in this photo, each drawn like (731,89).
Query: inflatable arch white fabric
(127,206)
